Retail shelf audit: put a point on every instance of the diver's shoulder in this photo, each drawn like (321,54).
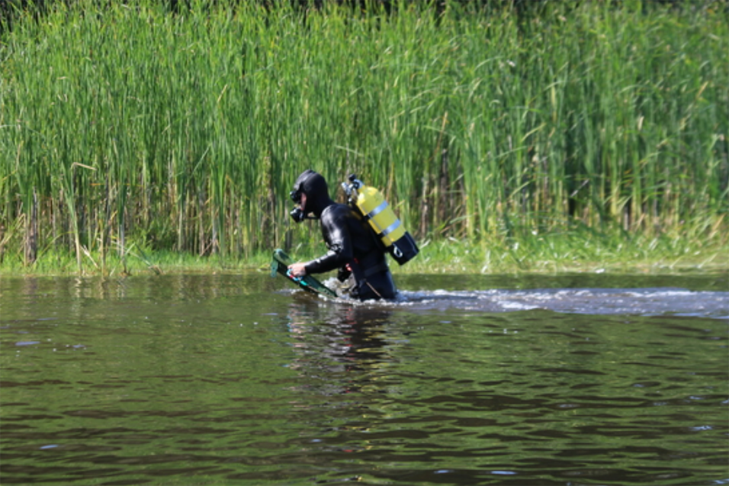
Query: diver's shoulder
(336,210)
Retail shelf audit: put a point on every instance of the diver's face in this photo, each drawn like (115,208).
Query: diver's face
(299,198)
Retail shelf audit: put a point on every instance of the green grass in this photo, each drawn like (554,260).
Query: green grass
(577,250)
(129,127)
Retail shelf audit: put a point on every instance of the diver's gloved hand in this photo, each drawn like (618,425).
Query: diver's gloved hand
(297,270)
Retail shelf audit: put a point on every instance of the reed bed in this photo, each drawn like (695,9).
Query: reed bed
(127,126)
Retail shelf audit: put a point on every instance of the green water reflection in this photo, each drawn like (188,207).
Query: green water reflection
(238,380)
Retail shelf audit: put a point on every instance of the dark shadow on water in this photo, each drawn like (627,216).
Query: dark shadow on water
(346,340)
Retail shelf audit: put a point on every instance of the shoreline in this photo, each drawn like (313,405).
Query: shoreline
(533,256)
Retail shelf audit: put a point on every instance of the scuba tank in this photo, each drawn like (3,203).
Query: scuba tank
(371,205)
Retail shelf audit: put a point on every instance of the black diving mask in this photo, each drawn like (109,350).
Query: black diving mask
(297,213)
(296,195)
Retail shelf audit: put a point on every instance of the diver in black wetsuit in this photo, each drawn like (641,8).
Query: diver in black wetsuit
(353,248)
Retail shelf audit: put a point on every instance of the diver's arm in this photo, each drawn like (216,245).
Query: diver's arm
(338,240)
(324,263)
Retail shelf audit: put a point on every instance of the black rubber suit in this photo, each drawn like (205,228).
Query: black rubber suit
(349,240)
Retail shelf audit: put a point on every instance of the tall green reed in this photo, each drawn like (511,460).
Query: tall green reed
(127,125)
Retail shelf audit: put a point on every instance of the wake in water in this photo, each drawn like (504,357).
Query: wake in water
(659,301)
(629,301)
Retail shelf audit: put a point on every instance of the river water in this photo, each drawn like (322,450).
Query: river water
(241,379)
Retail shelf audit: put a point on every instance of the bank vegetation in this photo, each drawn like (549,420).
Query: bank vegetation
(128,128)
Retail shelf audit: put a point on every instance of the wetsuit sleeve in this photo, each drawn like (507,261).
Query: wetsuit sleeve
(338,240)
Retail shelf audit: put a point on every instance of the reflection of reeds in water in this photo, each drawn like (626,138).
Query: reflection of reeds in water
(129,125)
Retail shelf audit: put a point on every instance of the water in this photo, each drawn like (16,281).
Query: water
(226,379)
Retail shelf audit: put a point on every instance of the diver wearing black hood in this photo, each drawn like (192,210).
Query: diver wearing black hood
(353,249)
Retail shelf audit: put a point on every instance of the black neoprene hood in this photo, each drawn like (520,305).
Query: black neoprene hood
(316,189)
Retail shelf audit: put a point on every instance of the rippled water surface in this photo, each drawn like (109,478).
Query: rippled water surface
(239,379)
